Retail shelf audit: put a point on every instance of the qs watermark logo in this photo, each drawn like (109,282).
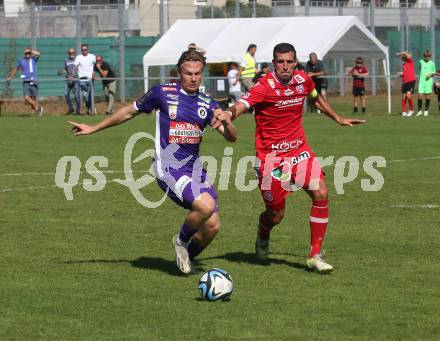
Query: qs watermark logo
(346,169)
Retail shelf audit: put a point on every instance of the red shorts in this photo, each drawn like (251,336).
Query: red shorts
(278,177)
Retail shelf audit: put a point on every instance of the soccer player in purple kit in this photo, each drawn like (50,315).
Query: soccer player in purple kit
(182,114)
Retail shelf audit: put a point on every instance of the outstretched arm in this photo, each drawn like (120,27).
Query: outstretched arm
(124,114)
(325,107)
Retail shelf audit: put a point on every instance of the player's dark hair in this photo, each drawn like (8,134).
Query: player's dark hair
(84,45)
(359,60)
(264,65)
(283,48)
(191,56)
(427,53)
(251,46)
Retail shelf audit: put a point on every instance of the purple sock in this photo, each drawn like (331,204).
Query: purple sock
(186,233)
(194,250)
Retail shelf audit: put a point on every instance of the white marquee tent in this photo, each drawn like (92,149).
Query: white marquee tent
(226,40)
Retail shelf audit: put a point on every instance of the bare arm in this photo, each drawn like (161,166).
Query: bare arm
(325,107)
(404,53)
(225,126)
(36,53)
(124,114)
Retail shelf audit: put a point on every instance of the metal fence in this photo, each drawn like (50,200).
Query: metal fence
(111,29)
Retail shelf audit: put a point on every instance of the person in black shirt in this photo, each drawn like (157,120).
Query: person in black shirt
(108,85)
(315,70)
(264,70)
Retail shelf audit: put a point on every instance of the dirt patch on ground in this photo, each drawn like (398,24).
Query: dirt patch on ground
(51,107)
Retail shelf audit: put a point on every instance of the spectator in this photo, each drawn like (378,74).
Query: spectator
(359,72)
(299,66)
(193,46)
(174,75)
(408,75)
(263,72)
(315,69)
(436,87)
(84,65)
(247,67)
(29,69)
(108,85)
(427,68)
(234,82)
(72,85)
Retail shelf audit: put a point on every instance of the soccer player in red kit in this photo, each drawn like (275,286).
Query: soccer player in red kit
(283,154)
(408,75)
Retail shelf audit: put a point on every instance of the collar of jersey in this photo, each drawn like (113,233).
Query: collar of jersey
(279,82)
(185,93)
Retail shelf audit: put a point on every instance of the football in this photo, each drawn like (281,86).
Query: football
(216,284)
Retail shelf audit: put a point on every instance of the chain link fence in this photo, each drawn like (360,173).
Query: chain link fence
(123,31)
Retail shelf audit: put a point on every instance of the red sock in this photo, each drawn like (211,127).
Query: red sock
(318,225)
(411,104)
(264,227)
(403,105)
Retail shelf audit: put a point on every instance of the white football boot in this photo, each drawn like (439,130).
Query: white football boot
(420,113)
(426,113)
(317,263)
(182,258)
(410,113)
(404,113)
(261,247)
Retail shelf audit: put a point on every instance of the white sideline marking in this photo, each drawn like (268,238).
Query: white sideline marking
(415,206)
(143,171)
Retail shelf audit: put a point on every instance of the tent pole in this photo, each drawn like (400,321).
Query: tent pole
(386,68)
(146,78)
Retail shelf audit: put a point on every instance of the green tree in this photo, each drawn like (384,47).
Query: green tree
(228,10)
(9,60)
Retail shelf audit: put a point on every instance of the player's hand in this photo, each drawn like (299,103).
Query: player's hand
(221,116)
(81,128)
(350,121)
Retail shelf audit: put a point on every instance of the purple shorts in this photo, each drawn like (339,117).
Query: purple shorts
(183,187)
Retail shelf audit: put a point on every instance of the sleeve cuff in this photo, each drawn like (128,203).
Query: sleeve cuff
(135,106)
(246,103)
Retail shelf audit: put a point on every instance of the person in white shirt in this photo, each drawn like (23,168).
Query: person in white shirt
(234,82)
(84,66)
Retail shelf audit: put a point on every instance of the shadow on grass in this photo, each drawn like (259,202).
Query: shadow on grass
(251,258)
(150,263)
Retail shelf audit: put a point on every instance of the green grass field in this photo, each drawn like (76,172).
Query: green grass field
(101,266)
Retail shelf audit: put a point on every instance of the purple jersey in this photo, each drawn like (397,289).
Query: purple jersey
(181,119)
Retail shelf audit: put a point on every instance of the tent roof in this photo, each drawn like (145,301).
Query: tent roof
(227,39)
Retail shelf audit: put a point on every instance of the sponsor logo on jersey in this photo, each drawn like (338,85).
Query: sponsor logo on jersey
(287,145)
(202,112)
(173,102)
(184,132)
(301,157)
(283,171)
(278,92)
(288,92)
(300,88)
(172,111)
(173,97)
(289,102)
(299,79)
(271,83)
(169,88)
(203,104)
(204,99)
